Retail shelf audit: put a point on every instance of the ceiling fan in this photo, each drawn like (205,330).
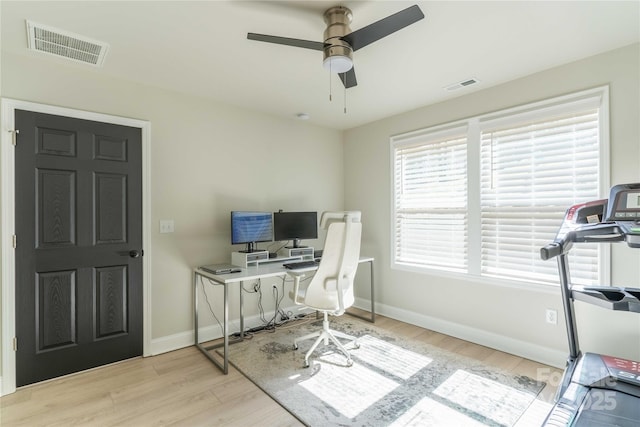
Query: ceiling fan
(340,42)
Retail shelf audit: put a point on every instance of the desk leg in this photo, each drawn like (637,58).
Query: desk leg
(226,329)
(224,366)
(373,298)
(195,306)
(372,317)
(241,311)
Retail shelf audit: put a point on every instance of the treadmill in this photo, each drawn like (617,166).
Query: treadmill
(597,390)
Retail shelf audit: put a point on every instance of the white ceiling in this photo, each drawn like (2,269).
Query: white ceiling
(200,48)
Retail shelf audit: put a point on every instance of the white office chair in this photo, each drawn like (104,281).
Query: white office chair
(330,290)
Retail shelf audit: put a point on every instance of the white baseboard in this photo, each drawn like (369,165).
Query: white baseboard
(211,332)
(537,353)
(545,355)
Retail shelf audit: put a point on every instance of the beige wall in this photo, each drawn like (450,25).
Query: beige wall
(509,317)
(206,160)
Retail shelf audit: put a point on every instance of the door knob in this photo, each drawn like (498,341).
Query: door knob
(135,254)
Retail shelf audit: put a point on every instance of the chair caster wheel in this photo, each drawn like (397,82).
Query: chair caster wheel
(306,365)
(295,346)
(349,363)
(356,346)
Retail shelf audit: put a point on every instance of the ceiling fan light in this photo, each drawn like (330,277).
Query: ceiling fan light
(338,64)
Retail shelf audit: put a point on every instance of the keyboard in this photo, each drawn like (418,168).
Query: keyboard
(300,264)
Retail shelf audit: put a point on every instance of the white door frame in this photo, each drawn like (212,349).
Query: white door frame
(7,213)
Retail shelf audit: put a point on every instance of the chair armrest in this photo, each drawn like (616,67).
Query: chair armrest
(297,276)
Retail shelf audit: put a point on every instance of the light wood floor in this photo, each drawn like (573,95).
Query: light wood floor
(183,388)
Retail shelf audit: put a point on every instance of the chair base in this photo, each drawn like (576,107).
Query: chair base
(325,335)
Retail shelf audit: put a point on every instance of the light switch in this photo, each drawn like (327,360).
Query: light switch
(166,226)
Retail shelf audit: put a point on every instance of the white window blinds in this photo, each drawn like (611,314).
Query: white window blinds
(532,170)
(430,200)
(482,196)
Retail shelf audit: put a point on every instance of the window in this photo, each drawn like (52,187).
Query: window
(431,200)
(481,197)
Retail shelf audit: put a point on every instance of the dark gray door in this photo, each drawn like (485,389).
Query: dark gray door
(79,245)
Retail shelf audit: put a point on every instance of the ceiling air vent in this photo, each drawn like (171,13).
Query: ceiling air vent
(461,84)
(65,44)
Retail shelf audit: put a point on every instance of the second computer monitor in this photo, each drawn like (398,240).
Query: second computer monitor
(295,226)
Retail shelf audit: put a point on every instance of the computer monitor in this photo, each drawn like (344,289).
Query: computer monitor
(295,226)
(250,228)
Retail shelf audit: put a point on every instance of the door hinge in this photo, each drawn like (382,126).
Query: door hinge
(14,133)
(15,241)
(15,343)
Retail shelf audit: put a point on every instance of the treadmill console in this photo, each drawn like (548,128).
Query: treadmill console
(624,209)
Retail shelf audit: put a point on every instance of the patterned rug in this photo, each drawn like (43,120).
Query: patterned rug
(393,381)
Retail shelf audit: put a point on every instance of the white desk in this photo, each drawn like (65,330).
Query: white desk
(273,269)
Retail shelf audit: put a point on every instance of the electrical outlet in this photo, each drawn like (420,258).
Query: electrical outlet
(166,226)
(551,316)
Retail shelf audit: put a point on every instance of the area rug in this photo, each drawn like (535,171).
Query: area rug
(393,381)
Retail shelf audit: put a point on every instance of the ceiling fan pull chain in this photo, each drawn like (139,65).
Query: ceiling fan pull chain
(345,96)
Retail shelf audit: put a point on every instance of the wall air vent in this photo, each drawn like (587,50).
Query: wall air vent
(64,44)
(461,84)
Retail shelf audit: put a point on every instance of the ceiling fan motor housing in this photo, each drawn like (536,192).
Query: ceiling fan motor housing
(337,19)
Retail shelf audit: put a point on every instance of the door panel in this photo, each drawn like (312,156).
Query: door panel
(111,208)
(78,215)
(56,313)
(111,298)
(56,213)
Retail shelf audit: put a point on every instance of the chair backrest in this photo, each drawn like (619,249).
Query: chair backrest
(331,288)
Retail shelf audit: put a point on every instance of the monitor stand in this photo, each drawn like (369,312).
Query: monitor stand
(296,244)
(251,247)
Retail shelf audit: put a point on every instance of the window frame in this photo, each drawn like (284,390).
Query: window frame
(474,125)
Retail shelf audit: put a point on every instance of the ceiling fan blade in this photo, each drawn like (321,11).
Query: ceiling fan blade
(307,44)
(382,28)
(349,78)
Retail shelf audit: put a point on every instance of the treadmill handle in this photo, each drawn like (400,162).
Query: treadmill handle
(550,251)
(559,246)
(602,232)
